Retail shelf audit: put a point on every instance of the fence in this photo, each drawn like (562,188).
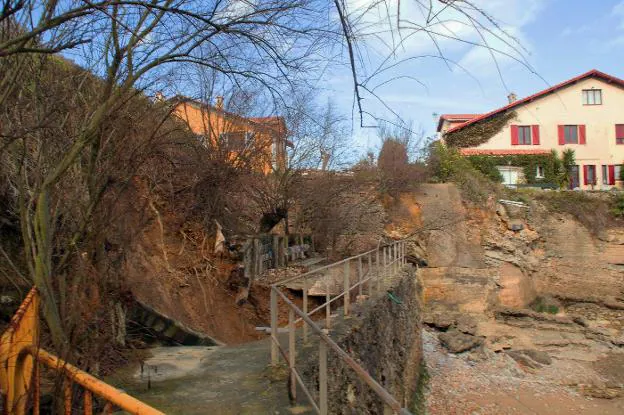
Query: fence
(20,361)
(265,251)
(370,270)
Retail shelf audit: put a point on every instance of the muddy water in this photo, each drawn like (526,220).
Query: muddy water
(217,380)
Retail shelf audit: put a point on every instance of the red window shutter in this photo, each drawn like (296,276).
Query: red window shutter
(585,171)
(581,131)
(560,130)
(612,174)
(535,134)
(514,135)
(619,131)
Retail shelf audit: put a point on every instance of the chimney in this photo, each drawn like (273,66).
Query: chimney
(219,103)
(512,97)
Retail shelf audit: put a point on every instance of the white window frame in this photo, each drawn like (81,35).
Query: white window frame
(592,96)
(539,175)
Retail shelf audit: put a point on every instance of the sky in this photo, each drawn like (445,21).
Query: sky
(559,39)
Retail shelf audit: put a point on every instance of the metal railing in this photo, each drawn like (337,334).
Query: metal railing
(20,360)
(371,268)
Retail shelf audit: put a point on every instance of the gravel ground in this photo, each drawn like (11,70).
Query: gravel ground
(484,382)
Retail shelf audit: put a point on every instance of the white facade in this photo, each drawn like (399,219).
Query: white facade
(586,115)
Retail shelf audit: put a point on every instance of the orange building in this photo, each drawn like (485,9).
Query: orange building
(259,142)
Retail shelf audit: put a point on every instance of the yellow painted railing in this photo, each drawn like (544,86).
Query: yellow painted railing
(20,361)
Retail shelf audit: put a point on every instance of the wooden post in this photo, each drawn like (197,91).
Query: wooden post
(257,257)
(323,378)
(292,353)
(346,287)
(286,250)
(274,328)
(305,309)
(301,253)
(370,274)
(394,257)
(276,262)
(248,260)
(360,274)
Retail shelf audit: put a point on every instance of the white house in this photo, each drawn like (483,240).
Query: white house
(585,113)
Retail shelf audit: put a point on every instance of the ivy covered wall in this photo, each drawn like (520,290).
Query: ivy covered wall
(528,162)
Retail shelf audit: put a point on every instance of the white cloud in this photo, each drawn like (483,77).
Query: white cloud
(618,12)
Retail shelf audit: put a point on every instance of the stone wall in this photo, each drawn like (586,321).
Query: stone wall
(384,336)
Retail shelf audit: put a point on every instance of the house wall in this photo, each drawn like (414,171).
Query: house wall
(566,107)
(268,145)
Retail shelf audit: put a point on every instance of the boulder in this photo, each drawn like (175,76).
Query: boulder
(531,358)
(456,341)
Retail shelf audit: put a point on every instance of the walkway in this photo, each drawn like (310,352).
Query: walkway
(209,380)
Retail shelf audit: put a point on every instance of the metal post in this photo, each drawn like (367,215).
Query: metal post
(377,264)
(88,403)
(360,274)
(274,328)
(346,288)
(305,309)
(292,353)
(327,305)
(385,266)
(323,378)
(36,387)
(67,394)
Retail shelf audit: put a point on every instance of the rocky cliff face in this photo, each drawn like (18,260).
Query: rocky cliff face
(528,282)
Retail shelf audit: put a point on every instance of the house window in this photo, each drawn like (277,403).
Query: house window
(592,97)
(590,174)
(571,134)
(605,174)
(619,134)
(524,134)
(539,173)
(618,171)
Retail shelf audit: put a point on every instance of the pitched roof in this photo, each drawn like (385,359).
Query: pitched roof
(455,117)
(593,73)
(509,152)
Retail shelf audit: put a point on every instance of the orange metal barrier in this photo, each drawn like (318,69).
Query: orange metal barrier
(20,358)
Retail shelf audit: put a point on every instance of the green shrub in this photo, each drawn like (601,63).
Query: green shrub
(446,164)
(545,305)
(618,205)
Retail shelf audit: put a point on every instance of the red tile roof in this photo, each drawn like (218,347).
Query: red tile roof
(593,73)
(455,117)
(486,152)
